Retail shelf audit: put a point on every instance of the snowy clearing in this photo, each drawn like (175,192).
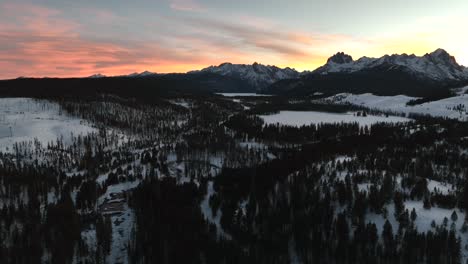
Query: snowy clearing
(441,187)
(301,118)
(26,119)
(448,107)
(242,94)
(183,103)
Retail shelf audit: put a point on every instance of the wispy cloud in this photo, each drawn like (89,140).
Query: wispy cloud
(264,41)
(36,55)
(43,42)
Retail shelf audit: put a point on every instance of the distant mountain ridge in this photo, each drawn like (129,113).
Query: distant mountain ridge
(97,75)
(437,66)
(257,75)
(135,74)
(430,75)
(141,74)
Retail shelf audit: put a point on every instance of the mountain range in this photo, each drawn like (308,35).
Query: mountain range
(256,75)
(430,75)
(436,66)
(135,74)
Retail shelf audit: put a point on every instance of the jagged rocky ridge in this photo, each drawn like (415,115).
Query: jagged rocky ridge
(257,75)
(430,75)
(438,65)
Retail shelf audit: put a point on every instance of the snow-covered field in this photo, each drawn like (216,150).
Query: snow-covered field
(300,118)
(26,119)
(442,108)
(242,94)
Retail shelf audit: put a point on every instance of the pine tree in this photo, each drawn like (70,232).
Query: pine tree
(427,203)
(413,215)
(387,236)
(454,216)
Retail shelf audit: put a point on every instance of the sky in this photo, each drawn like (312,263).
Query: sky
(64,38)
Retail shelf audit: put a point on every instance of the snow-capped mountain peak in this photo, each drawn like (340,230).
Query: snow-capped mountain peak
(340,58)
(441,56)
(436,66)
(441,53)
(135,74)
(256,74)
(98,75)
(141,74)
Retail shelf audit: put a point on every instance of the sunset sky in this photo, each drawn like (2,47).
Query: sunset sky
(64,38)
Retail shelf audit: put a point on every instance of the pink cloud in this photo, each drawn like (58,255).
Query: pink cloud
(37,41)
(40,42)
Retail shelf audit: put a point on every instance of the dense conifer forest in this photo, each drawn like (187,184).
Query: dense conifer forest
(190,178)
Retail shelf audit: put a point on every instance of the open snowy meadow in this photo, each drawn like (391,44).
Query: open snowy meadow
(453,107)
(242,94)
(26,120)
(301,118)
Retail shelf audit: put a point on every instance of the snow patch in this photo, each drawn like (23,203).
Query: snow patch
(302,118)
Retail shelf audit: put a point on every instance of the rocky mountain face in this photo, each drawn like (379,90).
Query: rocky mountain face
(436,66)
(430,75)
(257,75)
(427,75)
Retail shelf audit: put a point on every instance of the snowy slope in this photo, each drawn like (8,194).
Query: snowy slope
(437,66)
(257,75)
(448,107)
(25,119)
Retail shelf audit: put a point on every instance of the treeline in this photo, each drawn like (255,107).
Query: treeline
(386,83)
(143,89)
(245,126)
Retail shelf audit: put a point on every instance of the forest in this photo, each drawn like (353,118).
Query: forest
(201,178)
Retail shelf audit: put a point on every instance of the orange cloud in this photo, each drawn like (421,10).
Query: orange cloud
(72,56)
(44,43)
